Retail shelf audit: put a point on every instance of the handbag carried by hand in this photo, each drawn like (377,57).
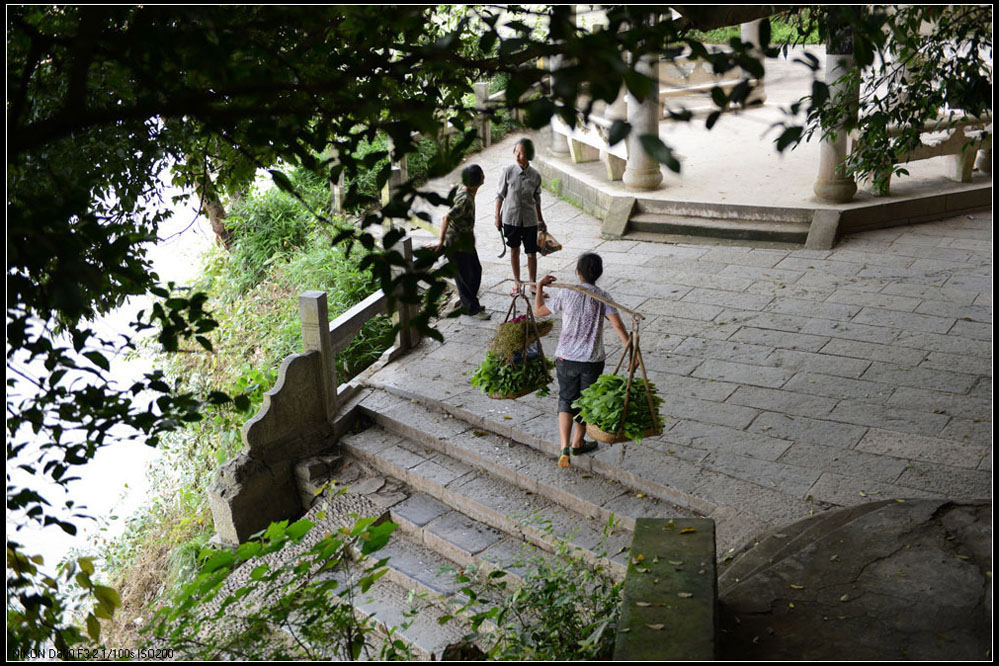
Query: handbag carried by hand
(546,242)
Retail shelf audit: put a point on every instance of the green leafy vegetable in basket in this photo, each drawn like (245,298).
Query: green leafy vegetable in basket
(602,405)
(510,336)
(498,378)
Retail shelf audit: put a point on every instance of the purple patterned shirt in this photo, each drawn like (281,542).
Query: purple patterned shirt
(582,337)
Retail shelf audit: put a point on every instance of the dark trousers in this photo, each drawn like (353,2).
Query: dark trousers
(469,278)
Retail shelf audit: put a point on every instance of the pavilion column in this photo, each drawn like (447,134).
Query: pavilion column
(641,171)
(833,184)
(750,32)
(559,144)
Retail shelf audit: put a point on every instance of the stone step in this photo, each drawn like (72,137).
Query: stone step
(649,469)
(789,231)
(724,211)
(529,469)
(468,515)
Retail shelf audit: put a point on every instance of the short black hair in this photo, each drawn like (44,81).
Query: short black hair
(472,175)
(528,147)
(590,266)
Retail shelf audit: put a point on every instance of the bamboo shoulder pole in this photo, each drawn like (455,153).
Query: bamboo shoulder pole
(605,301)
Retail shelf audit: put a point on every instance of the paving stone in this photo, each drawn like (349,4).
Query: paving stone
(804,429)
(640,466)
(568,487)
(830,283)
(767,505)
(947,481)
(740,373)
(952,344)
(949,294)
(676,328)
(719,438)
(683,309)
(721,413)
(975,313)
(851,331)
(889,373)
(794,480)
(902,420)
(419,510)
(372,441)
(904,320)
(760,274)
(744,256)
(840,387)
(786,402)
(805,308)
(976,431)
(849,490)
(725,351)
(824,364)
(918,447)
(458,537)
(823,266)
(845,462)
(908,275)
(875,300)
(942,403)
(705,280)
(704,389)
(897,354)
(857,256)
(764,320)
(801,289)
(658,290)
(984,299)
(417,565)
(440,471)
(671,364)
(728,299)
(972,329)
(781,339)
(919,252)
(957,363)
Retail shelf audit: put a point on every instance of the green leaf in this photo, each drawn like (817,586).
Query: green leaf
(658,151)
(217,561)
(98,359)
(93,628)
(619,131)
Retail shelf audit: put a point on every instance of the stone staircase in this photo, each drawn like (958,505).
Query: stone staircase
(679,221)
(466,497)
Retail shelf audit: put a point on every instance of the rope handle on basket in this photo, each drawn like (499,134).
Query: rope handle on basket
(532,324)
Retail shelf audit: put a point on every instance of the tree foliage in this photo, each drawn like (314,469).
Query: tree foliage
(102,99)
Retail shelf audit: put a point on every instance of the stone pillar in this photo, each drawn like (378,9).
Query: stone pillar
(559,145)
(750,32)
(481,89)
(336,188)
(407,337)
(316,337)
(642,172)
(832,184)
(984,161)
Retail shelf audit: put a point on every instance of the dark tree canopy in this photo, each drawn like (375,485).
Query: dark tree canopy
(101,99)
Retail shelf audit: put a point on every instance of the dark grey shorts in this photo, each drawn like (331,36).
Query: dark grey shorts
(517,235)
(573,378)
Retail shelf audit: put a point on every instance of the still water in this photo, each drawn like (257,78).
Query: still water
(115,484)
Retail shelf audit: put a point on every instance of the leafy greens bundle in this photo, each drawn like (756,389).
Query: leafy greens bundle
(498,378)
(602,405)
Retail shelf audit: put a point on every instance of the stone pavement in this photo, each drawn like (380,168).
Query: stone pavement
(816,378)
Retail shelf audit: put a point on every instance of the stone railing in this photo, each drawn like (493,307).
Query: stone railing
(301,417)
(961,140)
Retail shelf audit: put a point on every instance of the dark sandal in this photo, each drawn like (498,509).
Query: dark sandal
(563,460)
(585,447)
